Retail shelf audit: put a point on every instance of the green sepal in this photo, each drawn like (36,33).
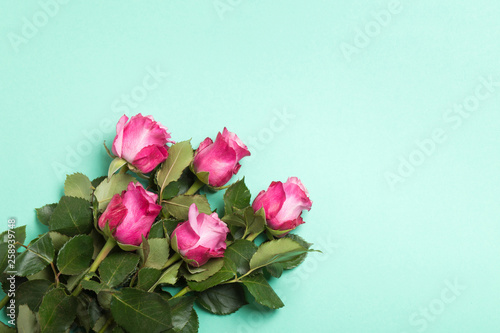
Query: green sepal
(205,271)
(277,233)
(115,165)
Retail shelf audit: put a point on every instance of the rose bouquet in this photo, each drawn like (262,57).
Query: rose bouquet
(134,250)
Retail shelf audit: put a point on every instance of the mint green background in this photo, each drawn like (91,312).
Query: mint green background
(387,252)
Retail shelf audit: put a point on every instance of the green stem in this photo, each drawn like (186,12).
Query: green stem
(4,301)
(195,187)
(182,292)
(132,281)
(172,260)
(106,325)
(252,236)
(110,244)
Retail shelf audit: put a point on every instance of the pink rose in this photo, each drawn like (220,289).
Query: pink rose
(220,158)
(141,142)
(283,205)
(200,238)
(131,214)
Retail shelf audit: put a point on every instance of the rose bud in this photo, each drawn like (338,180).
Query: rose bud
(200,238)
(283,205)
(141,142)
(220,158)
(131,214)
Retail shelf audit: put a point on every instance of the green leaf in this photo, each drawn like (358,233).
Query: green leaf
(31,293)
(168,277)
(19,234)
(256,221)
(157,230)
(222,275)
(83,311)
(158,253)
(36,257)
(171,190)
(276,251)
(44,213)
(58,240)
(237,256)
(71,217)
(143,251)
(234,220)
(294,262)
(97,181)
(4,256)
(78,185)
(223,299)
(98,241)
(210,268)
(26,321)
(275,269)
(262,291)
(94,286)
(250,221)
(57,311)
(6,329)
(169,225)
(75,256)
(192,325)
(115,165)
(147,277)
(104,298)
(181,308)
(237,197)
(45,274)
(179,157)
(117,267)
(178,207)
(74,280)
(111,186)
(139,311)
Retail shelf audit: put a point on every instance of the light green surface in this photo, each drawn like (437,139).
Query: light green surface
(388,253)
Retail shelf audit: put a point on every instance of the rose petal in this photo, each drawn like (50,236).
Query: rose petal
(218,160)
(141,132)
(296,201)
(272,200)
(118,141)
(234,142)
(202,254)
(114,214)
(204,144)
(186,237)
(149,157)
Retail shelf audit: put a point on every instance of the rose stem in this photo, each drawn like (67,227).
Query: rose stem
(182,292)
(110,244)
(4,301)
(195,187)
(252,236)
(106,325)
(172,259)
